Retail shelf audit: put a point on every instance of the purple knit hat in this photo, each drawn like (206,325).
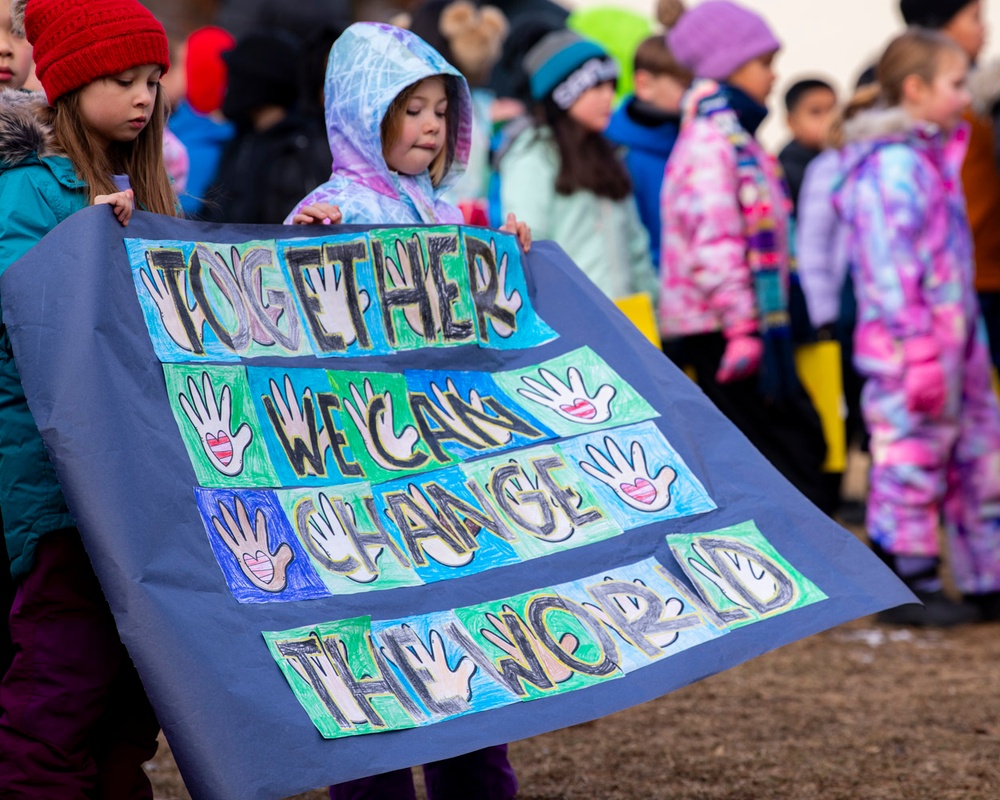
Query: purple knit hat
(717,37)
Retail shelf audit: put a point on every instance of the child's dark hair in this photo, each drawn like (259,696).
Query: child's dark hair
(587,159)
(94,163)
(653,56)
(392,124)
(800,89)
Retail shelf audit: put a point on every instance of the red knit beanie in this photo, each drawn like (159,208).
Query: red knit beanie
(77,41)
(205,68)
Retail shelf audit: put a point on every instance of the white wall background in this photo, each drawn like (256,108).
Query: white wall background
(834,39)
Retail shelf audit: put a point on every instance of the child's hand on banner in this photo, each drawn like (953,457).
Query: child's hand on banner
(122,203)
(318,214)
(519,229)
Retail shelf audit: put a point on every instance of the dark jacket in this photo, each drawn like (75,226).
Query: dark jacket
(38,190)
(649,134)
(794,158)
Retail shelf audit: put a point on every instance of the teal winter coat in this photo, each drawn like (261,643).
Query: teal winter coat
(38,190)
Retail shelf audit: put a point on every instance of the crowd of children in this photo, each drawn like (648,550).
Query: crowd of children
(885,213)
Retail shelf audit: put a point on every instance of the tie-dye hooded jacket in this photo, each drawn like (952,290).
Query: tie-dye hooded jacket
(370,64)
(909,241)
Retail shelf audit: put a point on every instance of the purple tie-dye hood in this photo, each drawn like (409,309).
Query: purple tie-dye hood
(370,64)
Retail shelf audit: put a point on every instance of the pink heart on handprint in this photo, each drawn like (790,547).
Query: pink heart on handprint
(642,491)
(580,408)
(221,447)
(260,565)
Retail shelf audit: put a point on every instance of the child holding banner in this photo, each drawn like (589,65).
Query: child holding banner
(724,267)
(927,400)
(396,171)
(76,721)
(563,177)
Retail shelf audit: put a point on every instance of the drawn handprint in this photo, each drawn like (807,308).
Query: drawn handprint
(511,304)
(442,682)
(634,607)
(156,284)
(405,275)
(570,400)
(531,509)
(335,310)
(213,422)
(756,579)
(325,667)
(631,481)
(497,434)
(384,446)
(435,547)
(248,542)
(328,532)
(505,640)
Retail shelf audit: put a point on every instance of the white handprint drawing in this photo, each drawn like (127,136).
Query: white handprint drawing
(570,399)
(754,578)
(443,683)
(248,542)
(405,275)
(535,511)
(391,451)
(328,672)
(335,310)
(156,284)
(511,303)
(634,607)
(631,480)
(435,547)
(328,532)
(497,434)
(213,422)
(502,638)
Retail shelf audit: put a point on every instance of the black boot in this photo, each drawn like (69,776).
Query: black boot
(938,611)
(988,605)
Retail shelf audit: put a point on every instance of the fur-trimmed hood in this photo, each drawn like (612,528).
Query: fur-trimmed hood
(984,85)
(22,131)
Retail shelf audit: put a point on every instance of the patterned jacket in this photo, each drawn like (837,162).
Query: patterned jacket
(369,65)
(706,283)
(909,241)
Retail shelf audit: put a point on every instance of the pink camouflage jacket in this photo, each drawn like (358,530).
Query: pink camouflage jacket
(706,281)
(909,245)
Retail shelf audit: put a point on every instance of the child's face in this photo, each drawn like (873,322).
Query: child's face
(943,100)
(592,109)
(661,91)
(424,132)
(15,53)
(756,77)
(967,29)
(810,120)
(117,108)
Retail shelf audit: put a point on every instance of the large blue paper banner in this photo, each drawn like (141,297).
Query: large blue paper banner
(396,494)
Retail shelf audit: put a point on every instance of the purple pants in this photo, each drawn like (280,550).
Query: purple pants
(76,723)
(484,775)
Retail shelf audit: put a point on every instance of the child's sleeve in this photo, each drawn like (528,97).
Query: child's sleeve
(706,212)
(820,258)
(28,215)
(528,186)
(890,230)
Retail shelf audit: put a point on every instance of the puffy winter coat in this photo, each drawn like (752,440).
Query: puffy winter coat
(369,65)
(38,190)
(909,242)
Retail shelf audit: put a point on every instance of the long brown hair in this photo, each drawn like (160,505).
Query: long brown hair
(141,159)
(587,159)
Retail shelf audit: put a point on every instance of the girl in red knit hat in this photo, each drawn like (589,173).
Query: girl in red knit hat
(76,722)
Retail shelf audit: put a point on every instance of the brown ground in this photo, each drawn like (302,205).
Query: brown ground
(862,712)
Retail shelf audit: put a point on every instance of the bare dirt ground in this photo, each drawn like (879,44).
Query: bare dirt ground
(862,712)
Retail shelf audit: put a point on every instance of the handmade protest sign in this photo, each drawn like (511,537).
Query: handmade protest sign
(384,496)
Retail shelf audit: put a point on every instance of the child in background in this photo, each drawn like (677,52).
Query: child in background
(810,106)
(930,409)
(76,721)
(400,130)
(725,244)
(647,123)
(563,177)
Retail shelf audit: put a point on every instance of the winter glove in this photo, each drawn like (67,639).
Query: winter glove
(923,377)
(741,358)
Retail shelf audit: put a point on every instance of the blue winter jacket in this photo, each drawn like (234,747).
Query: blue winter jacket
(649,136)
